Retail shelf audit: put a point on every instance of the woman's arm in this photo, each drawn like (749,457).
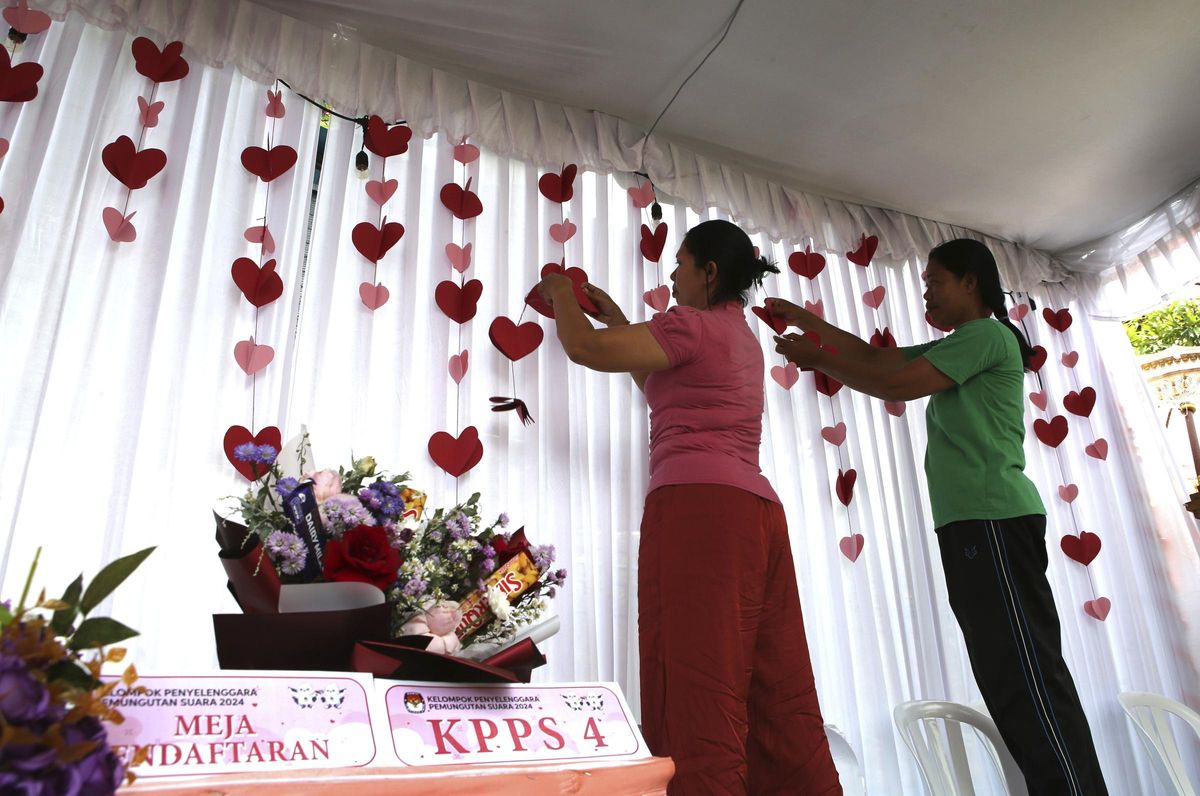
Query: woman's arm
(915,379)
(620,349)
(887,358)
(610,314)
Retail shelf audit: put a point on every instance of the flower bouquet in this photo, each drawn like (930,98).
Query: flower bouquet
(345,570)
(52,700)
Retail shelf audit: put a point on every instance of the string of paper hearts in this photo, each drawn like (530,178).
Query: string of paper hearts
(873,299)
(131,164)
(19,84)
(653,241)
(374,240)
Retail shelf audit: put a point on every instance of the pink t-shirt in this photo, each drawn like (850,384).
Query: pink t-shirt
(706,410)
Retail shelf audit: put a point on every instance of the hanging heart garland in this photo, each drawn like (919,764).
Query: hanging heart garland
(374,239)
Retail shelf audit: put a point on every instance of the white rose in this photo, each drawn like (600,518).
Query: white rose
(497,600)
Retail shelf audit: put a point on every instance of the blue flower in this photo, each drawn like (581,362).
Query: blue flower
(257,454)
(286,486)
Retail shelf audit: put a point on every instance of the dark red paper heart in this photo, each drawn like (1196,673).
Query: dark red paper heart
(578,279)
(826,385)
(456,455)
(653,242)
(865,251)
(1080,403)
(778,325)
(240,435)
(260,286)
(883,338)
(132,168)
(1052,433)
(458,303)
(515,341)
(270,164)
(559,187)
(18,83)
(385,141)
(807,263)
(1037,359)
(374,242)
(1082,548)
(1059,321)
(161,66)
(845,485)
(463,203)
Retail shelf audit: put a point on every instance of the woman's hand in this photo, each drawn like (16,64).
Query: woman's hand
(798,349)
(554,286)
(607,311)
(782,308)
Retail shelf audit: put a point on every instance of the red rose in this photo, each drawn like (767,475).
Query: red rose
(362,555)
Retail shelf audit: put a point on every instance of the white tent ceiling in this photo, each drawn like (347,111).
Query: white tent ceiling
(1046,123)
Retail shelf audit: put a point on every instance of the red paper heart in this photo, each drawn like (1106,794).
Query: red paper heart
(1039,399)
(18,83)
(459,304)
(456,455)
(161,66)
(873,298)
(559,187)
(779,325)
(120,228)
(865,251)
(275,108)
(895,408)
(23,20)
(1052,433)
(929,320)
(385,141)
(807,263)
(459,256)
(883,338)
(458,366)
(373,296)
(642,195)
(515,341)
(270,164)
(851,546)
(1018,313)
(466,153)
(826,385)
(785,376)
(1098,608)
(252,357)
(658,298)
(1068,492)
(380,192)
(1060,321)
(834,435)
(845,485)
(132,168)
(1080,403)
(148,112)
(1070,359)
(240,435)
(1098,449)
(1082,548)
(578,279)
(653,242)
(260,286)
(1037,359)
(374,242)
(463,203)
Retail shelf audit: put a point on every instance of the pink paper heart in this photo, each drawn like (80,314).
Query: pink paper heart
(380,192)
(458,367)
(816,308)
(466,153)
(1039,399)
(561,233)
(1068,492)
(834,435)
(1098,449)
(22,19)
(873,298)
(252,357)
(1018,313)
(148,113)
(786,375)
(852,546)
(642,195)
(3,147)
(1070,359)
(459,256)
(373,296)
(895,408)
(119,227)
(1098,608)
(261,234)
(275,108)
(658,298)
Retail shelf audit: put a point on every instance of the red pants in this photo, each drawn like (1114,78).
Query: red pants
(727,684)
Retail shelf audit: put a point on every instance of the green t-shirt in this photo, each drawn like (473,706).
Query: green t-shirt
(975,459)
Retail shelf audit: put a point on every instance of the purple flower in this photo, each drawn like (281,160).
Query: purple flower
(503,520)
(488,551)
(550,592)
(101,771)
(543,556)
(459,526)
(259,454)
(415,587)
(285,486)
(489,565)
(342,512)
(23,698)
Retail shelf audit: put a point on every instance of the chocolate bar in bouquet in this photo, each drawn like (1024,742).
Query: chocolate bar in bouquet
(347,570)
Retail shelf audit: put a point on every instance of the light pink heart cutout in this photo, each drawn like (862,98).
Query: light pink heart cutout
(1098,449)
(458,367)
(658,298)
(466,153)
(373,296)
(1068,492)
(261,234)
(459,256)
(119,227)
(1070,359)
(561,233)
(834,435)
(873,298)
(816,308)
(3,147)
(895,408)
(642,195)
(1098,608)
(1018,313)
(852,546)
(275,107)
(1039,399)
(786,375)
(148,113)
(252,357)
(380,192)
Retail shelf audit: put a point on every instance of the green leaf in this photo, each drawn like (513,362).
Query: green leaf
(70,672)
(110,578)
(99,631)
(62,620)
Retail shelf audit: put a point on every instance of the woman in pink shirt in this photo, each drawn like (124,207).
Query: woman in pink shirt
(727,684)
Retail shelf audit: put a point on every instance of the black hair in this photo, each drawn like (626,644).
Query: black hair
(738,269)
(965,256)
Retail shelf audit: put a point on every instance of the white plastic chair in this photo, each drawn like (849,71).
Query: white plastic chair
(932,731)
(1151,714)
(846,762)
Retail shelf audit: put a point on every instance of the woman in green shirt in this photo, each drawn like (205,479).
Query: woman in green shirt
(990,521)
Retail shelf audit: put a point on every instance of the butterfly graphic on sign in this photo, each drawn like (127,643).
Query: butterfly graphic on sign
(594,702)
(332,697)
(305,696)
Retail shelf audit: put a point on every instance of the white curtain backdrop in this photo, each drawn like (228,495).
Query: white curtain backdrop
(120,381)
